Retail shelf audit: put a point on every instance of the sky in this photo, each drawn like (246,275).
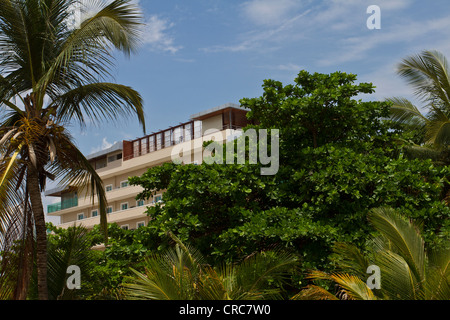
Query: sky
(199,54)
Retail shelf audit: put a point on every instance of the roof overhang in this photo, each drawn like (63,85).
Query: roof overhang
(217,110)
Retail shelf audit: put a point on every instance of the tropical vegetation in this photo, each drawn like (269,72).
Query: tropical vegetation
(360,183)
(52,74)
(408,271)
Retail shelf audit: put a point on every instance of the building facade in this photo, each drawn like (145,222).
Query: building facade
(132,158)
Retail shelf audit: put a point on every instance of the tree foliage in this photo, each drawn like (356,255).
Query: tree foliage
(338,160)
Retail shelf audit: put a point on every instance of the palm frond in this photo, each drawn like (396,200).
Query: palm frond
(85,52)
(404,111)
(99,101)
(398,280)
(312,292)
(74,250)
(351,285)
(71,168)
(428,74)
(403,235)
(351,259)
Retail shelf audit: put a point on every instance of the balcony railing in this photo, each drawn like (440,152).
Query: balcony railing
(66,204)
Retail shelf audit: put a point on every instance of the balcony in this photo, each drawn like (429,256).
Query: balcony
(65,204)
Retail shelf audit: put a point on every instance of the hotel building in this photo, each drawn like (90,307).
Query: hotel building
(133,158)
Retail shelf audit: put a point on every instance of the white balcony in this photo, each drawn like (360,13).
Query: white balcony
(114,217)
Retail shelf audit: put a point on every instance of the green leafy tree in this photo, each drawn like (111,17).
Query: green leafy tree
(330,176)
(407,270)
(53,75)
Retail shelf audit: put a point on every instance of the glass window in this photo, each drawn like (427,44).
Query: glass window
(158,198)
(109,188)
(136,152)
(144,146)
(125,227)
(81,216)
(94,213)
(158,141)
(140,224)
(151,142)
(124,206)
(140,203)
(167,138)
(124,184)
(109,209)
(178,135)
(197,129)
(188,132)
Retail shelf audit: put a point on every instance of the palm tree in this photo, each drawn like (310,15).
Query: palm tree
(52,74)
(408,271)
(182,274)
(429,75)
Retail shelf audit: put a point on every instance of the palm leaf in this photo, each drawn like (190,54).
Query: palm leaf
(99,101)
(351,259)
(398,280)
(403,236)
(428,74)
(351,285)
(312,292)
(403,111)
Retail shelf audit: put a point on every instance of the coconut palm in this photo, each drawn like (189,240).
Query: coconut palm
(408,271)
(429,75)
(181,274)
(53,74)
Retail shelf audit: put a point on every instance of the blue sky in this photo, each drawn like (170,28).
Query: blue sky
(198,54)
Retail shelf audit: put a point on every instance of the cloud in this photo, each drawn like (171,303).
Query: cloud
(357,48)
(269,12)
(156,36)
(105,145)
(254,39)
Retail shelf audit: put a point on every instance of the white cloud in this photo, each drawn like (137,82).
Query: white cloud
(357,48)
(156,36)
(289,67)
(256,38)
(269,12)
(105,145)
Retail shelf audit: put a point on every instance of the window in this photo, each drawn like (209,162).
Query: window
(178,135)
(136,151)
(80,216)
(188,131)
(158,198)
(101,163)
(109,209)
(197,129)
(144,143)
(109,188)
(114,157)
(124,184)
(94,213)
(167,138)
(140,203)
(124,206)
(140,224)
(158,141)
(125,227)
(151,143)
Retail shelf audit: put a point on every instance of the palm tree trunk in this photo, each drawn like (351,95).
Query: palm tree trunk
(41,231)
